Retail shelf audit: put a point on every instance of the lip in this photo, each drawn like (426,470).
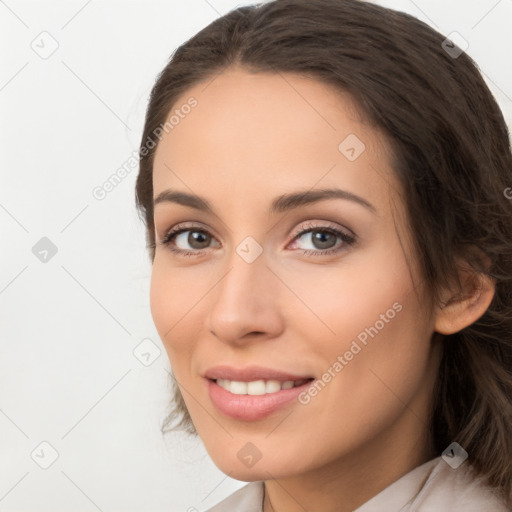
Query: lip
(252,407)
(250,373)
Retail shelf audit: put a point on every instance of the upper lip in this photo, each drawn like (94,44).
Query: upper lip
(251,373)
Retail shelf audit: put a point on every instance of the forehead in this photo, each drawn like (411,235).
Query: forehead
(250,133)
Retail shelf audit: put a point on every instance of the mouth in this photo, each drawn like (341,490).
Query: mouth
(252,373)
(259,387)
(256,399)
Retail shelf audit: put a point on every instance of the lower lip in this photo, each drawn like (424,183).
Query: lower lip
(251,407)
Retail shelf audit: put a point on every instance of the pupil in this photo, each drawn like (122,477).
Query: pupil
(196,237)
(320,242)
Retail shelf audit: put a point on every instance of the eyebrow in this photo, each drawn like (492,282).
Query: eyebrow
(280,204)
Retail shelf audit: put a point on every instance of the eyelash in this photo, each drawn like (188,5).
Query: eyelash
(347,239)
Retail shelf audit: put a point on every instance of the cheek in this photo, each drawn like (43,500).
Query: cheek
(161,301)
(387,333)
(378,367)
(338,304)
(172,305)
(374,342)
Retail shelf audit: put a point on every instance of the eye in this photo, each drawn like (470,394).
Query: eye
(187,241)
(319,240)
(323,240)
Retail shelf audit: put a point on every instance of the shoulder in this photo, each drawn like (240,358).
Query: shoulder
(249,498)
(457,490)
(437,487)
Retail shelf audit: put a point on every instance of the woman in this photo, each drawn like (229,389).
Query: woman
(324,189)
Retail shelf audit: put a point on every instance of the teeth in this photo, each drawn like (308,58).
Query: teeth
(273,386)
(238,388)
(257,387)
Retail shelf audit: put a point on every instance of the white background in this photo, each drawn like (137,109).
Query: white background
(68,374)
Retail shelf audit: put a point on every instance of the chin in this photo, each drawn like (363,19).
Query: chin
(234,465)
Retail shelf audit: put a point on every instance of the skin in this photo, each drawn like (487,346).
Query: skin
(251,138)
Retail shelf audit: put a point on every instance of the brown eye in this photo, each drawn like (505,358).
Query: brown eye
(187,241)
(323,239)
(198,239)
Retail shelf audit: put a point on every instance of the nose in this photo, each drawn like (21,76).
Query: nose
(245,303)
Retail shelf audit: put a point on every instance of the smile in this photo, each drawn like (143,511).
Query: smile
(258,387)
(254,400)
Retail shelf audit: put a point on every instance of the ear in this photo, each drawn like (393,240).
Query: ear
(461,308)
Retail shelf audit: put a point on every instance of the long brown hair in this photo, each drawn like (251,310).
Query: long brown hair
(452,157)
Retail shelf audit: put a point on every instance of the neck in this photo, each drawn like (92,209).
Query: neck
(347,483)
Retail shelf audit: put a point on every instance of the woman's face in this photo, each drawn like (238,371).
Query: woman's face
(268,285)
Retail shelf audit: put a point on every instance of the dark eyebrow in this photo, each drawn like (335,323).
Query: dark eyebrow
(280,204)
(294,200)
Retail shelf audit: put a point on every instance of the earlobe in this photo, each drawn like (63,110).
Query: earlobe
(464,308)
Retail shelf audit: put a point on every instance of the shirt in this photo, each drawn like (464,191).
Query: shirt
(432,487)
